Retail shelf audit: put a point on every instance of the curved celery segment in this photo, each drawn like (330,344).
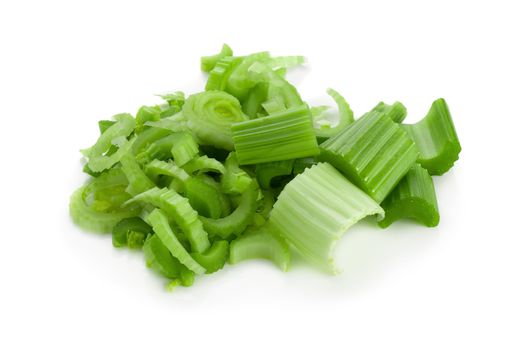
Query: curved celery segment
(184,149)
(174,99)
(274,105)
(204,164)
(174,123)
(130,232)
(280,62)
(210,115)
(236,222)
(147,137)
(252,106)
(316,208)
(414,197)
(103,125)
(346,116)
(261,243)
(146,114)
(209,62)
(436,138)
(180,211)
(214,258)
(280,136)
(397,111)
(219,75)
(162,148)
(158,167)
(138,181)
(159,258)
(160,223)
(223,197)
(373,152)
(240,81)
(234,180)
(204,197)
(116,135)
(267,171)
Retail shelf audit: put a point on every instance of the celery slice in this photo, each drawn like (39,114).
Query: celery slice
(236,222)
(130,232)
(234,180)
(436,138)
(158,167)
(261,243)
(267,171)
(175,122)
(316,208)
(204,197)
(174,99)
(160,223)
(397,111)
(286,61)
(252,105)
(138,181)
(214,258)
(159,258)
(180,211)
(209,62)
(204,164)
(280,136)
(414,197)
(146,114)
(219,75)
(373,152)
(346,116)
(210,115)
(147,137)
(184,149)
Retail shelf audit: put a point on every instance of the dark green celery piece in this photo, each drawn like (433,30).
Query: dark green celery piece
(214,258)
(238,220)
(252,105)
(209,62)
(103,125)
(414,197)
(204,197)
(436,138)
(130,232)
(179,211)
(301,164)
(204,164)
(373,152)
(261,243)
(397,111)
(159,258)
(235,180)
(280,136)
(223,197)
(267,171)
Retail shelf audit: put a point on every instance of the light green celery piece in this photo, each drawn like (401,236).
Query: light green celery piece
(274,105)
(103,125)
(219,75)
(373,152)
(146,114)
(210,115)
(147,137)
(116,135)
(316,208)
(204,197)
(160,223)
(159,258)
(414,197)
(130,232)
(180,211)
(318,112)
(261,243)
(280,136)
(240,81)
(346,116)
(234,180)
(138,181)
(223,197)
(209,62)
(214,258)
(397,111)
(238,220)
(184,149)
(174,99)
(436,138)
(204,164)
(252,105)
(280,62)
(158,167)
(267,171)
(174,123)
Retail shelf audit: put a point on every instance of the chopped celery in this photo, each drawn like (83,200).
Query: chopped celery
(266,172)
(219,75)
(174,99)
(160,223)
(286,61)
(234,180)
(436,139)
(180,211)
(184,149)
(130,232)
(373,152)
(158,167)
(209,62)
(210,115)
(214,258)
(261,243)
(414,197)
(174,122)
(253,104)
(397,112)
(138,181)
(159,258)
(346,116)
(204,164)
(103,125)
(147,137)
(204,197)
(316,208)
(146,114)
(280,136)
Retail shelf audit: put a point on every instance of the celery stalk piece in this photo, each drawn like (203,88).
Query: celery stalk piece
(286,62)
(274,105)
(223,197)
(130,232)
(174,99)
(204,164)
(414,197)
(159,258)
(261,243)
(316,208)
(436,138)
(184,149)
(180,211)
(237,221)
(147,137)
(214,258)
(209,62)
(346,116)
(219,75)
(234,180)
(116,135)
(138,181)
(103,125)
(280,136)
(160,223)
(204,197)
(210,115)
(158,167)
(397,111)
(146,114)
(252,106)
(267,171)
(240,81)
(175,122)
(373,152)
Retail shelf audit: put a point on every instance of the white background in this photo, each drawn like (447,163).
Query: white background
(65,65)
